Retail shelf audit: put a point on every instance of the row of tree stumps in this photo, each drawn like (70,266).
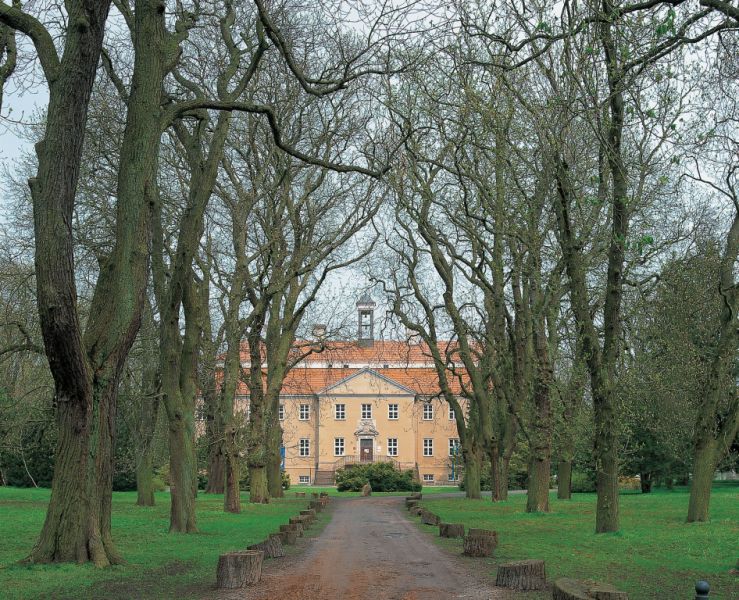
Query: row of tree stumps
(244,568)
(524,575)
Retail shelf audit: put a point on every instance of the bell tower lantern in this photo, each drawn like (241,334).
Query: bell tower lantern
(366,315)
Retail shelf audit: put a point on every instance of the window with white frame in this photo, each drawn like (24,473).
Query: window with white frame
(366,411)
(340,411)
(392,446)
(453,446)
(392,411)
(428,447)
(339,446)
(304,412)
(304,447)
(304,479)
(428,412)
(428,477)
(451,414)
(453,476)
(281,412)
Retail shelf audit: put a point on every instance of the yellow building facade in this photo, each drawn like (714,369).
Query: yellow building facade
(366,401)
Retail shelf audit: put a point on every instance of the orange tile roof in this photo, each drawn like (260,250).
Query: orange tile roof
(381,351)
(409,365)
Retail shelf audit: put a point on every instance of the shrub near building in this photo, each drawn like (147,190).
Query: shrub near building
(383,477)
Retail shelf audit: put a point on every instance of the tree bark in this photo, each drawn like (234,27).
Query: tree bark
(472,472)
(216,464)
(537,499)
(564,479)
(573,589)
(499,475)
(232,495)
(522,575)
(274,459)
(715,429)
(704,466)
(480,543)
(148,413)
(239,569)
(258,492)
(272,547)
(85,372)
(451,530)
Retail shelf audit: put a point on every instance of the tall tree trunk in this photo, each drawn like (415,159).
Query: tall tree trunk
(472,457)
(215,435)
(181,470)
(499,472)
(216,459)
(717,429)
(274,459)
(564,476)
(232,492)
(77,526)
(646,482)
(704,467)
(541,435)
(145,450)
(148,412)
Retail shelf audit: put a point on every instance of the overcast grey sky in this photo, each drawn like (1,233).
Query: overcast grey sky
(18,107)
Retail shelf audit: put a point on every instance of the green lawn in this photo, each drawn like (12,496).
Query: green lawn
(656,555)
(159,565)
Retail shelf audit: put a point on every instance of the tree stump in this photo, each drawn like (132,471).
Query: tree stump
(316,506)
(490,532)
(429,518)
(367,489)
(324,501)
(239,569)
(301,522)
(575,589)
(314,494)
(480,542)
(300,494)
(287,538)
(409,503)
(451,530)
(272,547)
(293,527)
(522,575)
(324,494)
(417,510)
(414,496)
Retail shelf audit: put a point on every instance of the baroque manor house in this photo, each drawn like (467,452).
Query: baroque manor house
(366,401)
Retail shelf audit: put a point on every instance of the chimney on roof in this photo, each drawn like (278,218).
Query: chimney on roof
(366,315)
(319,331)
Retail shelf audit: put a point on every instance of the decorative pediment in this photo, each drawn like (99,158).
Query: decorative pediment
(366,428)
(367,381)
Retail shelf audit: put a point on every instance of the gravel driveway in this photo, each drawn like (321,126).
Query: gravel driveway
(370,550)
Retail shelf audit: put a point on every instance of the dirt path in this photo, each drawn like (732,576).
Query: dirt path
(370,550)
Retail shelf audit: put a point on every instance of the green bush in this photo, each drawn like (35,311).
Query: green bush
(582,482)
(383,477)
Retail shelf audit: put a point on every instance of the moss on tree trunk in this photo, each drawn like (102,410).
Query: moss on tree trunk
(564,479)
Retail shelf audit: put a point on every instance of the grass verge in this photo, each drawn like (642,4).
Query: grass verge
(159,564)
(656,555)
